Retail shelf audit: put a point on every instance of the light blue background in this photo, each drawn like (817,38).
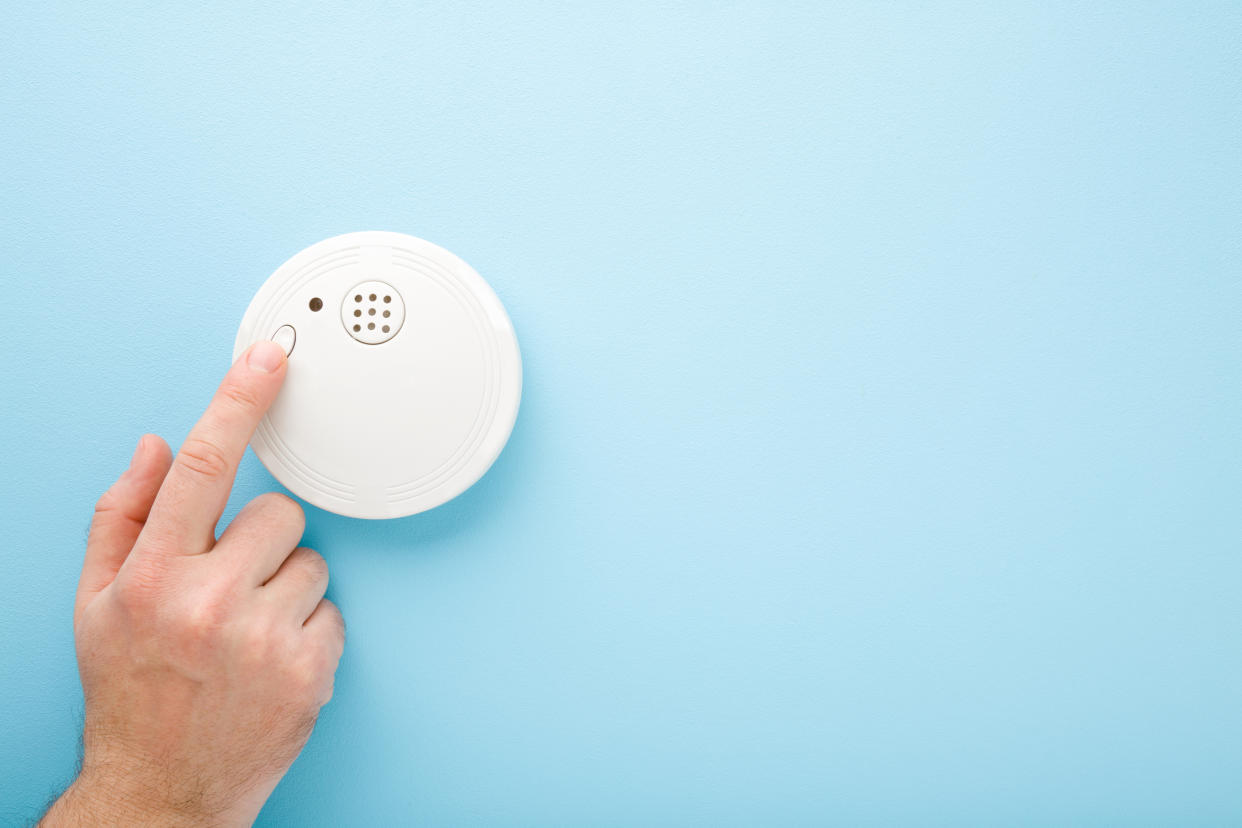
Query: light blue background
(879,459)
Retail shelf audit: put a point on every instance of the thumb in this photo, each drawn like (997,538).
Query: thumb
(120,515)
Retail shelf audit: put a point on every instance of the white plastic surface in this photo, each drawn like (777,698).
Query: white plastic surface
(381,424)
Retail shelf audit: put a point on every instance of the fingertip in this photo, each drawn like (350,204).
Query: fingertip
(151,453)
(266,357)
(157,444)
(122,511)
(135,460)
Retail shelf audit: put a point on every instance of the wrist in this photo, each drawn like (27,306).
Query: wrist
(119,799)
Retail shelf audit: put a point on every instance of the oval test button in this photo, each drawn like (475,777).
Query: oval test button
(285,337)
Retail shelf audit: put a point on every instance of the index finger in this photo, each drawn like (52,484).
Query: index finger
(194,493)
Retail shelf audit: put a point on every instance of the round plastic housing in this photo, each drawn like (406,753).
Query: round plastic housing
(404,374)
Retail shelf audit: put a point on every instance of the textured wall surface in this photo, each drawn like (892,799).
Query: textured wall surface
(879,458)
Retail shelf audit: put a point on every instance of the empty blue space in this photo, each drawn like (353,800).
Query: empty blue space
(879,458)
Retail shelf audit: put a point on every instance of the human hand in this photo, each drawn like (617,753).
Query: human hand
(204,662)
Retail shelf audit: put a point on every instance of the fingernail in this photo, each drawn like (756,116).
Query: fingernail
(265,356)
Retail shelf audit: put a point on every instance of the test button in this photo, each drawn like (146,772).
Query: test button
(285,337)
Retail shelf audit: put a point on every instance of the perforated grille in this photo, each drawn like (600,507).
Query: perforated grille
(372,312)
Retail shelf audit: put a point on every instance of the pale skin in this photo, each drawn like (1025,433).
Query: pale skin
(204,662)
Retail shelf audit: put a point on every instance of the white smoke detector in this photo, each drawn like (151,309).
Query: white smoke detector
(404,374)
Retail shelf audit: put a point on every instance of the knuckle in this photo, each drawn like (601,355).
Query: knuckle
(108,512)
(157,544)
(335,630)
(281,508)
(200,620)
(338,618)
(304,680)
(203,458)
(106,503)
(326,677)
(259,639)
(198,615)
(240,395)
(310,673)
(312,565)
(138,591)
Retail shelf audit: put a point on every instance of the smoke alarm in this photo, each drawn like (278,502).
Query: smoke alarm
(404,374)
